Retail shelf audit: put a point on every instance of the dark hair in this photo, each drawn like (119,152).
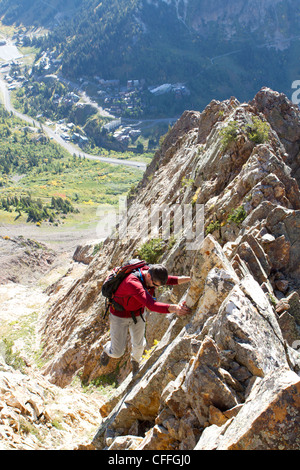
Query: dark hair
(158,273)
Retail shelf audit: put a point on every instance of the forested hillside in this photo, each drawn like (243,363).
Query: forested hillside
(215,50)
(38,12)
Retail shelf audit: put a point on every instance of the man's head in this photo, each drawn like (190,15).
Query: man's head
(157,275)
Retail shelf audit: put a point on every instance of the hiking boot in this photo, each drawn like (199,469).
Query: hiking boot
(135,367)
(104,359)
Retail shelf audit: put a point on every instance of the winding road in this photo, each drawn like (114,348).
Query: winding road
(53,135)
(62,240)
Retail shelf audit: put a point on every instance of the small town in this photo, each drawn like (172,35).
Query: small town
(120,104)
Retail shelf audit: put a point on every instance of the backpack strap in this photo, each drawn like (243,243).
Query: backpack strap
(107,305)
(140,276)
(134,317)
(143,283)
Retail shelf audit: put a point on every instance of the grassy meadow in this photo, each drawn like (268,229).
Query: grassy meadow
(38,171)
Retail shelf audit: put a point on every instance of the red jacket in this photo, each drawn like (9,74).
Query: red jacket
(134,298)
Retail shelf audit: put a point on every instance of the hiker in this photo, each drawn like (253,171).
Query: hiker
(134,294)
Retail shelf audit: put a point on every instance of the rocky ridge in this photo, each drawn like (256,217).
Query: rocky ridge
(227,377)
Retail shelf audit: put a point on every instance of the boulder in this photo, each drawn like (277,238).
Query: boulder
(268,420)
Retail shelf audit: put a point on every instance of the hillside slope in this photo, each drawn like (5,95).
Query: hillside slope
(38,12)
(217,49)
(222,378)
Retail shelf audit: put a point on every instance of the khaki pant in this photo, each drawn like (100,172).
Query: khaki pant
(119,328)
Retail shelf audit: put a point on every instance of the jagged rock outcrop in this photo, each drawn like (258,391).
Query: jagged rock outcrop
(265,421)
(221,378)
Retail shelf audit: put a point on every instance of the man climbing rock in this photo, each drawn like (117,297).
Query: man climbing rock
(135,293)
